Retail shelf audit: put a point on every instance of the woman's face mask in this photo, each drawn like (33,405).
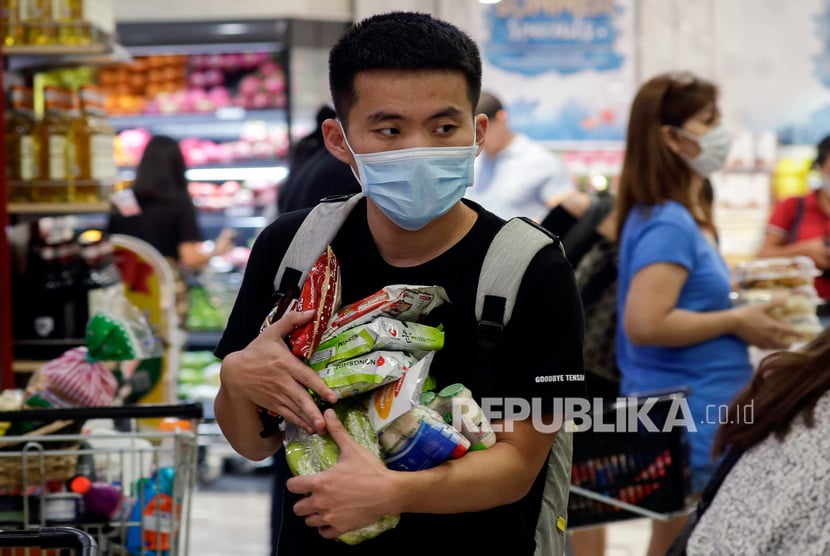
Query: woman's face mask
(714,149)
(413,187)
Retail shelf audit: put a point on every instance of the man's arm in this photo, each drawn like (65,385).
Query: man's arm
(267,374)
(360,489)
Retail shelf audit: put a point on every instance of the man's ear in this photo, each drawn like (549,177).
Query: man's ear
(335,141)
(481,123)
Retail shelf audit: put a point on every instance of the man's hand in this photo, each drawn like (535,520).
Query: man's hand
(269,375)
(348,496)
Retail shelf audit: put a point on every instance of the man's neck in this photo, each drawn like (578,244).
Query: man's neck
(403,248)
(494,148)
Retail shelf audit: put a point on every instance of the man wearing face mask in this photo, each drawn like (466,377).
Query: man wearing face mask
(404,87)
(801,225)
(676,324)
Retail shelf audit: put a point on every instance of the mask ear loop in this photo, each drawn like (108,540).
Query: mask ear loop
(354,155)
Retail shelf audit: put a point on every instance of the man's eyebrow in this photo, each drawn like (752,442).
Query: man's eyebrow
(449,112)
(383,116)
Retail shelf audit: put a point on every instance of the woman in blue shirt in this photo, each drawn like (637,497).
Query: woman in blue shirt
(676,324)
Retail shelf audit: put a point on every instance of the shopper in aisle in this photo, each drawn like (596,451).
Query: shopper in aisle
(586,223)
(800,225)
(314,173)
(676,324)
(774,498)
(167,219)
(516,176)
(401,82)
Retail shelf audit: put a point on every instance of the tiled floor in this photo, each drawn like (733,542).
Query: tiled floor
(231,517)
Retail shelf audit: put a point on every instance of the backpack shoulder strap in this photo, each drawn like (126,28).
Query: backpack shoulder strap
(505,263)
(314,234)
(792,233)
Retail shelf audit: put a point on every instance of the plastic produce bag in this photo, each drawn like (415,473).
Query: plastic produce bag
(308,454)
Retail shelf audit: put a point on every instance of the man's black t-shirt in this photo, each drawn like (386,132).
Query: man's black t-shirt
(539,358)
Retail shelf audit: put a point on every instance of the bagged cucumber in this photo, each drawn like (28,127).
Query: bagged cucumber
(308,454)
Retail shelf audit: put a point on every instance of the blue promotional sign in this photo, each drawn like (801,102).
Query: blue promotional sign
(534,37)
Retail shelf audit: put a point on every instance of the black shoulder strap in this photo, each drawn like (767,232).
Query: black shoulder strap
(792,233)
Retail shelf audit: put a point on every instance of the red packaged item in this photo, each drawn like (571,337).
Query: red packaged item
(321,292)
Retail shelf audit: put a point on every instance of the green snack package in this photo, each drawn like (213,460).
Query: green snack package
(382,333)
(366,372)
(308,454)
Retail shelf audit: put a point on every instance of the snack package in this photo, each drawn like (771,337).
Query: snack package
(321,292)
(308,454)
(382,333)
(389,402)
(401,302)
(366,372)
(420,439)
(776,272)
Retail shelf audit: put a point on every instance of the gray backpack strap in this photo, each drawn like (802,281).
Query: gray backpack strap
(505,264)
(313,236)
(553,515)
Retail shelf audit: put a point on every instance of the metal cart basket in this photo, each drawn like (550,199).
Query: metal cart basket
(47,541)
(130,486)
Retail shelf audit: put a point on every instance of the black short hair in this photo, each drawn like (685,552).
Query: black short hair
(489,104)
(400,40)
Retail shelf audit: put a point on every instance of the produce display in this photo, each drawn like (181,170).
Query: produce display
(176,83)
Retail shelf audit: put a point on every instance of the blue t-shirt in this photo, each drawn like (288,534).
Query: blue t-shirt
(716,369)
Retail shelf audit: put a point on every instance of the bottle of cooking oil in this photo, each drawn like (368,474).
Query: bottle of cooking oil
(69,16)
(81,135)
(40,28)
(20,156)
(102,142)
(77,144)
(11,25)
(50,141)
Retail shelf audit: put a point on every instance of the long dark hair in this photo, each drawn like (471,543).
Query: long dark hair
(652,173)
(160,175)
(787,384)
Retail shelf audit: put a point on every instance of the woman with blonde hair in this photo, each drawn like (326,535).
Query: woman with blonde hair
(676,324)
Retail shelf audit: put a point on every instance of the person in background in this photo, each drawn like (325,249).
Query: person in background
(586,223)
(168,218)
(774,499)
(314,173)
(405,86)
(800,225)
(516,176)
(676,324)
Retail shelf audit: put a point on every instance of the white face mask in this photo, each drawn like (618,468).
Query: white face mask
(714,149)
(817,180)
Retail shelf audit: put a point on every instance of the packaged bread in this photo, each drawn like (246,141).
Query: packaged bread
(776,272)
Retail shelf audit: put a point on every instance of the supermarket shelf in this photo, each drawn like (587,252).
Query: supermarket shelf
(58,208)
(27,366)
(232,114)
(202,339)
(56,50)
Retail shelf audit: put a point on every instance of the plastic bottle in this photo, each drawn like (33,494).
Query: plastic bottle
(50,141)
(20,158)
(456,404)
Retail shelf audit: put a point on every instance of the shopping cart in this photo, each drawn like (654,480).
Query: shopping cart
(59,541)
(640,471)
(129,486)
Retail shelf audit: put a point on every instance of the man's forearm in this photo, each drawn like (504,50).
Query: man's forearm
(239,420)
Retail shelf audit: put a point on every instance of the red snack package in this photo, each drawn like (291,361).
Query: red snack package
(321,292)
